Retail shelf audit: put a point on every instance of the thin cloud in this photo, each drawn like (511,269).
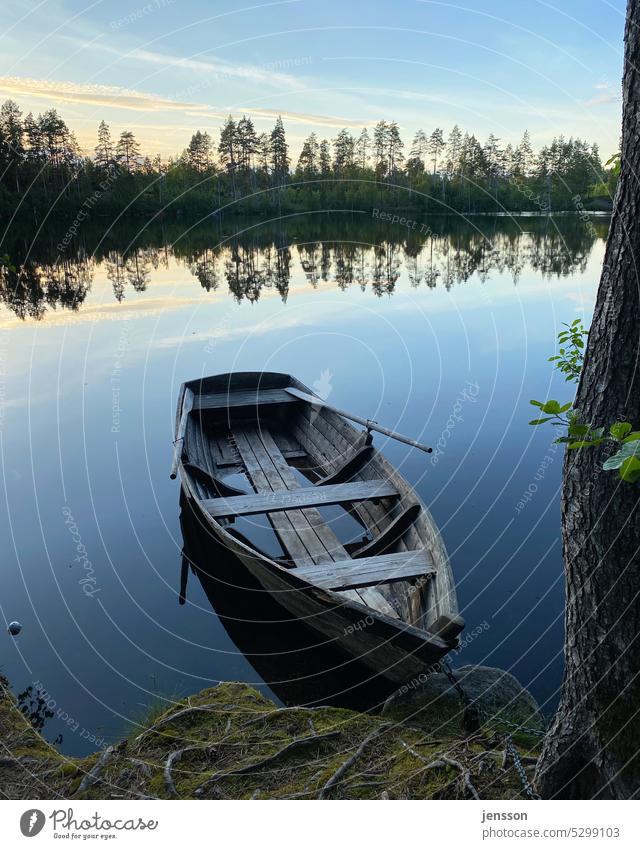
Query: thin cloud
(93,95)
(114,97)
(602,99)
(268,73)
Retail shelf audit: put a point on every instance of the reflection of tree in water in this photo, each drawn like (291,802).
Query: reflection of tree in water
(133,270)
(245,272)
(30,288)
(449,254)
(386,268)
(204,269)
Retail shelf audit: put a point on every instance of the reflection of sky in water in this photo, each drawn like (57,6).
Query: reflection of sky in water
(404,360)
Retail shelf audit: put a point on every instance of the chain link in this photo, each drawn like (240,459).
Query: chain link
(515,757)
(472,715)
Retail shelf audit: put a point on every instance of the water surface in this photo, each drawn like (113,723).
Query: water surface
(443,335)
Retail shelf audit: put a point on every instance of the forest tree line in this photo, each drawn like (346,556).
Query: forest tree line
(42,170)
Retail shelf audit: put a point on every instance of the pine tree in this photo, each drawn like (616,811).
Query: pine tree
(361,149)
(127,151)
(343,151)
(324,158)
(308,159)
(228,145)
(11,143)
(454,149)
(247,142)
(279,152)
(436,145)
(104,149)
(198,152)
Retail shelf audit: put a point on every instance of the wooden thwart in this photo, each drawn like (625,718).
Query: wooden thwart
(271,502)
(247,398)
(369,571)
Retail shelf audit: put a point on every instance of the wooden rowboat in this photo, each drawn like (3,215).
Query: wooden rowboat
(389,601)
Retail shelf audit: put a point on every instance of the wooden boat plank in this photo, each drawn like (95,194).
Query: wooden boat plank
(282,479)
(246,398)
(328,539)
(280,522)
(335,550)
(275,483)
(247,505)
(369,571)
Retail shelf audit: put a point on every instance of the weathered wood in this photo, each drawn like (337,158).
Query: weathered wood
(391,533)
(212,481)
(447,627)
(280,478)
(349,467)
(368,423)
(349,574)
(248,505)
(187,406)
(280,522)
(248,398)
(327,539)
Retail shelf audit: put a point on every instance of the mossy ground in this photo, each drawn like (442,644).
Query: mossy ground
(229,742)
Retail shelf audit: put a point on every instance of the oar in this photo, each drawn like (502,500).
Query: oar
(368,423)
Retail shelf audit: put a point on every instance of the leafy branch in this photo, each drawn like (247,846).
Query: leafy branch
(626,440)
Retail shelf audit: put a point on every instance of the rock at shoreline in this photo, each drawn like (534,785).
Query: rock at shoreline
(432,701)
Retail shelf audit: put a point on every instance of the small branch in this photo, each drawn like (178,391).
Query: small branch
(337,775)
(94,773)
(295,744)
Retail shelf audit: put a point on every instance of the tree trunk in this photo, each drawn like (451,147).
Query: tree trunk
(593,747)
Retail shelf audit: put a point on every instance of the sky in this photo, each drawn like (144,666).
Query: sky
(166,68)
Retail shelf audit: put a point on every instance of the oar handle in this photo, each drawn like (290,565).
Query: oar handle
(368,423)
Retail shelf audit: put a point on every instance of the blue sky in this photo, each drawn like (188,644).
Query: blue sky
(165,68)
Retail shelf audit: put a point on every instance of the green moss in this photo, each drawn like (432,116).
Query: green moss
(238,728)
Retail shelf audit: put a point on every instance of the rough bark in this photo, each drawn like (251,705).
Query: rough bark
(593,748)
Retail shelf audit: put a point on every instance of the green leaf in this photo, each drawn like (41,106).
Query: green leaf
(630,470)
(550,407)
(540,421)
(578,429)
(536,403)
(629,449)
(632,436)
(586,443)
(620,429)
(565,407)
(597,432)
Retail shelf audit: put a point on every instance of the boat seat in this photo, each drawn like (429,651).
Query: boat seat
(391,534)
(310,496)
(246,398)
(368,571)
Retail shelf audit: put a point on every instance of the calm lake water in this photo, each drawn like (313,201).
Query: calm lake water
(442,334)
